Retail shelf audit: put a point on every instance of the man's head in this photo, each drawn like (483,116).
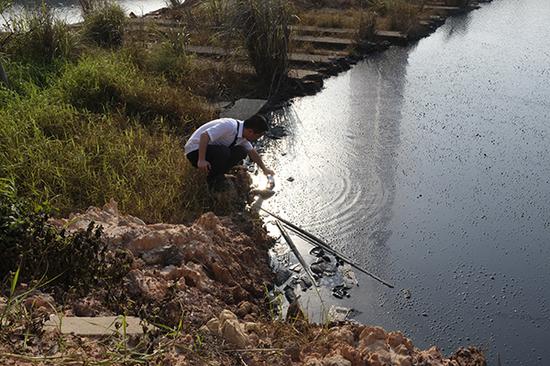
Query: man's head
(255,127)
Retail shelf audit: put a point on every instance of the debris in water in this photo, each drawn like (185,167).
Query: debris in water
(338,313)
(340,291)
(289,294)
(305,283)
(349,276)
(317,251)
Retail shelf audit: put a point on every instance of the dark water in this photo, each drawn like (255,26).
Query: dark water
(429,165)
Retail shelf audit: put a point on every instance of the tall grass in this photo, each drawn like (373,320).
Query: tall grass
(367,25)
(218,12)
(38,37)
(400,15)
(112,82)
(3,75)
(104,22)
(265,27)
(330,18)
(99,132)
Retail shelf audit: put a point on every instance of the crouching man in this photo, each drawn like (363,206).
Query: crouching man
(218,145)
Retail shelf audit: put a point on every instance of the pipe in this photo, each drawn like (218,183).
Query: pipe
(320,242)
(296,252)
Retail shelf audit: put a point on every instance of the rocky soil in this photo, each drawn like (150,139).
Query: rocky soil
(205,286)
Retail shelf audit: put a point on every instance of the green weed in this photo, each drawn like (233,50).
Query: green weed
(104,23)
(110,82)
(37,37)
(265,28)
(33,248)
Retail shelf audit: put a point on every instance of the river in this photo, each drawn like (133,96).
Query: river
(429,166)
(70,11)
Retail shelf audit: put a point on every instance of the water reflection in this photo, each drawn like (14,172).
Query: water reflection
(428,166)
(377,115)
(69,10)
(457,26)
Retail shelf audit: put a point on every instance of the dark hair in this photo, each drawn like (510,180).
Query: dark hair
(257,123)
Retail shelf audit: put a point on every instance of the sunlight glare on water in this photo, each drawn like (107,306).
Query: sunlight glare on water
(428,165)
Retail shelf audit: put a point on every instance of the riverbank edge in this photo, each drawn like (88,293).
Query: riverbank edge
(310,85)
(339,66)
(291,87)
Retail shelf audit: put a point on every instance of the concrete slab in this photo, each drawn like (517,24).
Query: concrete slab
(207,50)
(310,58)
(306,28)
(95,326)
(243,108)
(292,57)
(344,42)
(444,9)
(301,73)
(338,313)
(391,36)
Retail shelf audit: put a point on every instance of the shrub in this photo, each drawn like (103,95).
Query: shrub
(367,25)
(169,58)
(105,82)
(218,12)
(37,37)
(37,248)
(265,27)
(76,159)
(401,14)
(104,23)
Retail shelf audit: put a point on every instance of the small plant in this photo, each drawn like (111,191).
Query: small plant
(401,15)
(36,36)
(266,31)
(367,25)
(14,317)
(104,23)
(34,248)
(218,12)
(174,4)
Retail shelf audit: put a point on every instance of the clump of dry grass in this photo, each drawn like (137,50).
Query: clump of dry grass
(265,26)
(330,18)
(398,15)
(104,130)
(367,25)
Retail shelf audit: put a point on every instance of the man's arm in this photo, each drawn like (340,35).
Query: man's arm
(258,160)
(202,164)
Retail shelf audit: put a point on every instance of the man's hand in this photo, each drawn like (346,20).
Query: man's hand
(203,165)
(268,171)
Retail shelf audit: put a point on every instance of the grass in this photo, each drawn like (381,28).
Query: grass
(330,18)
(265,26)
(104,23)
(37,37)
(103,130)
(398,15)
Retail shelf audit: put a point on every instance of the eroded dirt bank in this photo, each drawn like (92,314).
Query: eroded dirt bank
(205,284)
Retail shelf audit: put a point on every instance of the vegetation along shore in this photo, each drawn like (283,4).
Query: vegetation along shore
(95,115)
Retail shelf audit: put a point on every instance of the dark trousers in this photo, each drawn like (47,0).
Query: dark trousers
(221,159)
